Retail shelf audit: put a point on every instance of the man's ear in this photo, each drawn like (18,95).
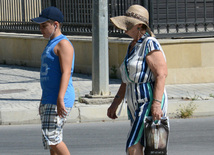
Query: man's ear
(56,24)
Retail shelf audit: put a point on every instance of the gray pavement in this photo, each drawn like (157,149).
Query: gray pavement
(20,95)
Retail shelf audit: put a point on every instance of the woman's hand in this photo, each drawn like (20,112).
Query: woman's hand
(111,113)
(156,111)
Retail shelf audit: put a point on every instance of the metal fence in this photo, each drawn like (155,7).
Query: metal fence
(183,18)
(15,15)
(168,18)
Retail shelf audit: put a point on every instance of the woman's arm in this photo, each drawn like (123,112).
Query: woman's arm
(116,102)
(157,64)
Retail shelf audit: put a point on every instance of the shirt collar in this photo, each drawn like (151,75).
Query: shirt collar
(143,37)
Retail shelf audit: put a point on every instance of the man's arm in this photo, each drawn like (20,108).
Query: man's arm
(65,52)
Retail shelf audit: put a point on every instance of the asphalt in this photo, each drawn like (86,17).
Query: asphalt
(20,95)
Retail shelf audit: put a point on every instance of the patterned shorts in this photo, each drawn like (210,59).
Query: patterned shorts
(52,124)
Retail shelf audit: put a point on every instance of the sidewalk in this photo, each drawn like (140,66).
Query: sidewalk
(20,95)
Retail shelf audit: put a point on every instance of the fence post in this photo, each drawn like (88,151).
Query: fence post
(145,4)
(148,4)
(23,11)
(100,69)
(53,3)
(151,15)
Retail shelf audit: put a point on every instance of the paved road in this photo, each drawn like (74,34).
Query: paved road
(188,137)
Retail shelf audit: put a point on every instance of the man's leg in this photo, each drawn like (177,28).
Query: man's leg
(59,149)
(136,149)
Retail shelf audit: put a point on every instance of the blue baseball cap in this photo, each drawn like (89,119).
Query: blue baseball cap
(50,13)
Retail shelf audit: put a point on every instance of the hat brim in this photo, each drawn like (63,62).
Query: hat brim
(126,23)
(40,20)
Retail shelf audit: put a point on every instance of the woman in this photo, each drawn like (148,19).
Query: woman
(143,72)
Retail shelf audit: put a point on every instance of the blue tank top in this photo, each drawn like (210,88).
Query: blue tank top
(50,75)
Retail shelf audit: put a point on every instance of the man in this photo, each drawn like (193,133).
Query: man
(57,65)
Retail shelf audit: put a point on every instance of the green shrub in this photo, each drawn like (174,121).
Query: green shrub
(186,111)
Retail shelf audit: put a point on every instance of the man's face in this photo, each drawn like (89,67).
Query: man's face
(46,28)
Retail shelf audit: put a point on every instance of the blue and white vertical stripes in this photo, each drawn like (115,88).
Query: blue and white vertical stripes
(140,82)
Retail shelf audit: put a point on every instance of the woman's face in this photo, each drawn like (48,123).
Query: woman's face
(133,32)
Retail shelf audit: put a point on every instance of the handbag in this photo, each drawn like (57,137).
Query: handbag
(156,135)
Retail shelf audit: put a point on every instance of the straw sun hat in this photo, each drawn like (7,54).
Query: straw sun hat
(136,14)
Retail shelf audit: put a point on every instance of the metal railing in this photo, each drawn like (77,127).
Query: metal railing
(168,18)
(15,15)
(183,18)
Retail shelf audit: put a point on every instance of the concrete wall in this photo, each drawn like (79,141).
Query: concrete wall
(188,60)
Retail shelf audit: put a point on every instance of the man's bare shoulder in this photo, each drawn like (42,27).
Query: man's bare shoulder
(64,42)
(63,46)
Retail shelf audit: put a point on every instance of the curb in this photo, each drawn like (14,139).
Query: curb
(82,113)
(204,108)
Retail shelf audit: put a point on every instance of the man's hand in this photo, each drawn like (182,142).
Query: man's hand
(61,111)
(40,106)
